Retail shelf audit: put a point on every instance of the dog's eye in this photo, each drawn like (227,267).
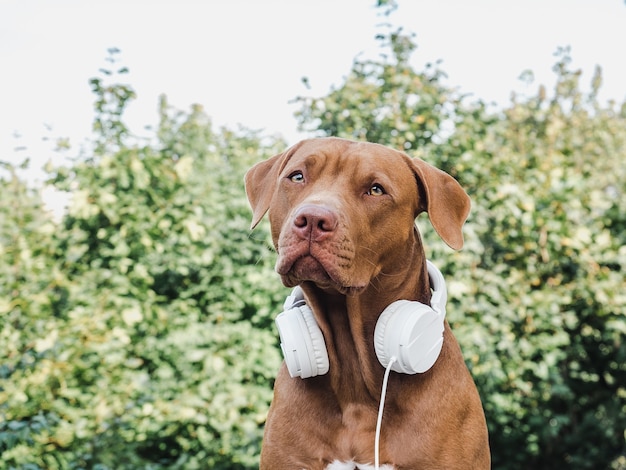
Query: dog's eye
(376,190)
(296,177)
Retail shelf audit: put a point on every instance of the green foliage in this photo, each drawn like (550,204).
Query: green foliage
(137,331)
(538,292)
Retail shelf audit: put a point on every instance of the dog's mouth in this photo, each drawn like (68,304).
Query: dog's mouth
(306,268)
(325,274)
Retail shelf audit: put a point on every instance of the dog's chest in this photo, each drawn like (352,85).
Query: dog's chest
(337,465)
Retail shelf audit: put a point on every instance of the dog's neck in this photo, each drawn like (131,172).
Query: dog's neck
(348,324)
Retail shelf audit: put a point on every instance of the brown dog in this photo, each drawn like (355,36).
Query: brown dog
(342,218)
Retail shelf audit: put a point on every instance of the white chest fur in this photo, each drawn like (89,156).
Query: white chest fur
(337,465)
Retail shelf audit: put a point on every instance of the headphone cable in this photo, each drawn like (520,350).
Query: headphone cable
(379,421)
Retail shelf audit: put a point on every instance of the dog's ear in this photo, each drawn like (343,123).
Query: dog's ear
(261,181)
(447,204)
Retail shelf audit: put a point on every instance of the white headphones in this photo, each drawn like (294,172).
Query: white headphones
(410,331)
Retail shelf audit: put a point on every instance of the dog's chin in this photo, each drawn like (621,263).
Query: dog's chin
(308,268)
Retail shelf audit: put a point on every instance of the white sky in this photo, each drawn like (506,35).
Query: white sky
(243,60)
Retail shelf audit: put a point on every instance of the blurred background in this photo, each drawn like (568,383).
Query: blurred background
(136,306)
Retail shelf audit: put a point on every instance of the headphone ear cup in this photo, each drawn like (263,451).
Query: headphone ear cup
(411,332)
(302,342)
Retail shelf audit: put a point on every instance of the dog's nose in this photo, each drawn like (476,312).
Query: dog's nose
(314,222)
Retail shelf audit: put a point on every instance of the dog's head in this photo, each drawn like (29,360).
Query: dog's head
(342,212)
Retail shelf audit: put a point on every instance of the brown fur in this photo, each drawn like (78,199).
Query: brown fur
(354,252)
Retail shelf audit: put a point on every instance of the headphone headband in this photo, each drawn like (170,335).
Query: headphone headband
(440,293)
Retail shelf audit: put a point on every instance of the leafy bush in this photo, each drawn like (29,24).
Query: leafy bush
(136,330)
(538,291)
